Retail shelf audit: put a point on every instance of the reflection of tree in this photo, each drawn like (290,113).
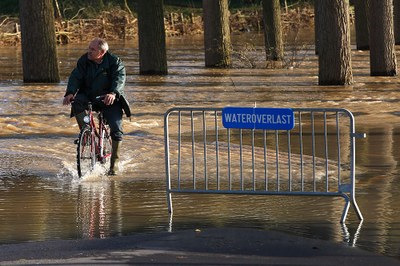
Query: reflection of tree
(94,209)
(380,194)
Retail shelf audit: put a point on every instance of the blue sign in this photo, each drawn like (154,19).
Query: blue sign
(258,118)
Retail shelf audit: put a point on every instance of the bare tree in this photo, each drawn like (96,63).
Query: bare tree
(38,38)
(152,49)
(381,41)
(217,40)
(362,31)
(272,29)
(334,53)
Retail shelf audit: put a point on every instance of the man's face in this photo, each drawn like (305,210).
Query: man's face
(94,53)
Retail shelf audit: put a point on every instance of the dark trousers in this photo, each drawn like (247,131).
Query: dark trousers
(112,113)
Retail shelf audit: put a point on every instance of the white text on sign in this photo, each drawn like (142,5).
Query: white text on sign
(258,118)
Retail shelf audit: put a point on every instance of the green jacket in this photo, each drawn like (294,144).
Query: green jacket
(98,79)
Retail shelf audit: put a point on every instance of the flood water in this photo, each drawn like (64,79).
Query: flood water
(42,198)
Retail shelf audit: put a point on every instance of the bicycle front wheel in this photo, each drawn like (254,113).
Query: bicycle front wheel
(107,145)
(85,156)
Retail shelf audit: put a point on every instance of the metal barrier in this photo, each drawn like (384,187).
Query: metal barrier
(315,158)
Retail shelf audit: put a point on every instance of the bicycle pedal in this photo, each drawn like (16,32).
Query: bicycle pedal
(76,141)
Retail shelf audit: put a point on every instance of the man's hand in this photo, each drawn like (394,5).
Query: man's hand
(68,99)
(109,99)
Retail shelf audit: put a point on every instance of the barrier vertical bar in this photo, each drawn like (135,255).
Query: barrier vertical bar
(167,163)
(338,148)
(205,150)
(289,161)
(241,159)
(252,160)
(301,152)
(193,150)
(313,148)
(326,154)
(265,159)
(277,159)
(179,149)
(216,148)
(229,157)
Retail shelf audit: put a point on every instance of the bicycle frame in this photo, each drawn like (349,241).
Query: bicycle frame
(94,142)
(98,133)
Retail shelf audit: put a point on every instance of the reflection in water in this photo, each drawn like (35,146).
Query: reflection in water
(41,197)
(352,240)
(94,209)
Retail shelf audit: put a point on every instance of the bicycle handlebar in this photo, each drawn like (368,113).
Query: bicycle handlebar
(101,97)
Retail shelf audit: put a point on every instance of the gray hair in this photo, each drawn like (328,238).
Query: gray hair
(103,45)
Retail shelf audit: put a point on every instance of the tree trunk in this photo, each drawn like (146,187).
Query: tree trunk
(316,25)
(152,49)
(396,4)
(272,30)
(217,39)
(381,42)
(334,53)
(38,39)
(362,31)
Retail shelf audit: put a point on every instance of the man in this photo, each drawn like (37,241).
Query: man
(99,72)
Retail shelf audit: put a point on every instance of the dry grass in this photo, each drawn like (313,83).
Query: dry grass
(118,24)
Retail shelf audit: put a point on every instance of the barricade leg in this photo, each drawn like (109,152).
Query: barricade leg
(169,202)
(345,210)
(357,209)
(350,201)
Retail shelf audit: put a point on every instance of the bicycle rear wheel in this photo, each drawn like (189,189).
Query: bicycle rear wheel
(85,156)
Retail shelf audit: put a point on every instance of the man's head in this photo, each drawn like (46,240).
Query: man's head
(97,49)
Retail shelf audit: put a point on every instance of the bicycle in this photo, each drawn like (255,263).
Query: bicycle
(94,142)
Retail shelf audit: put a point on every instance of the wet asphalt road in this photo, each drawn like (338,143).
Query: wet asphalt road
(216,246)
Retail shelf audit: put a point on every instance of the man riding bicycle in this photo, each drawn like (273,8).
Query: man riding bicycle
(99,72)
